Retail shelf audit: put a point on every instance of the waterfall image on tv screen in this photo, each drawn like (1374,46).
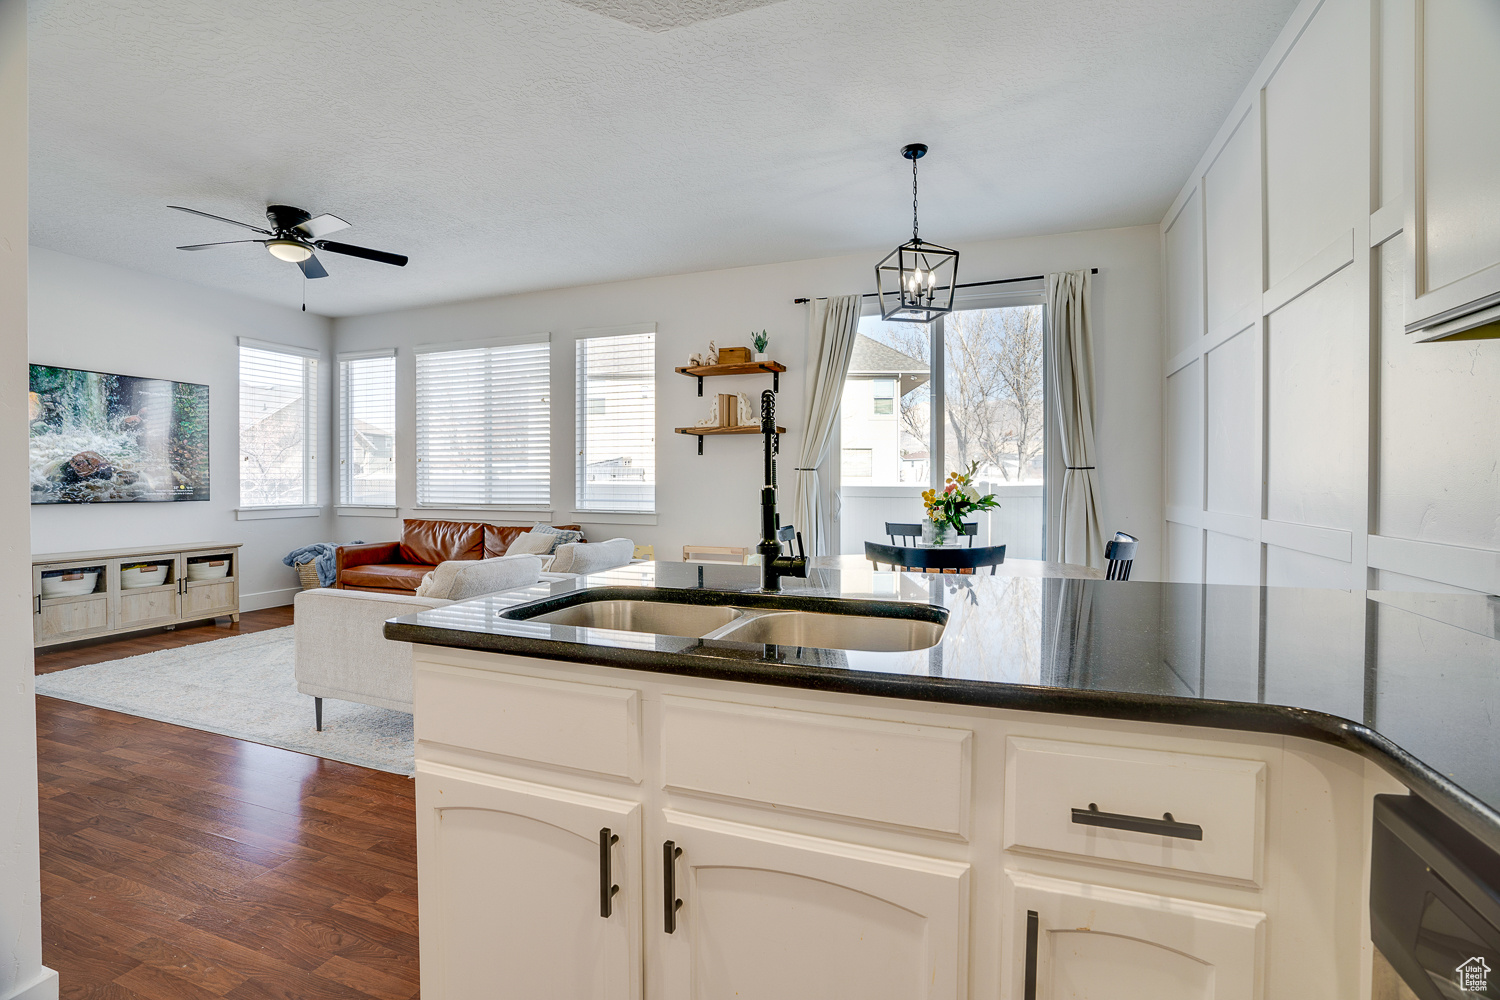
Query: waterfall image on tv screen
(98,438)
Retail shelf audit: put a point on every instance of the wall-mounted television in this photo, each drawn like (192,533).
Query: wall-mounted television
(102,438)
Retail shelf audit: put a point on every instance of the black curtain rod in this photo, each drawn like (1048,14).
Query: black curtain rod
(970,284)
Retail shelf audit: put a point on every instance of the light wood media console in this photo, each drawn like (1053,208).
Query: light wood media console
(110,608)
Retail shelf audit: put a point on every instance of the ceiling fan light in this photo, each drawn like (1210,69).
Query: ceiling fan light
(289,250)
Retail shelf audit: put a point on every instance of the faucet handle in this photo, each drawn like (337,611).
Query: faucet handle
(800,553)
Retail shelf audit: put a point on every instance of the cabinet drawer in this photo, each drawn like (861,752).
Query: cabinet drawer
(564,724)
(145,607)
(201,598)
(1048,780)
(72,618)
(893,773)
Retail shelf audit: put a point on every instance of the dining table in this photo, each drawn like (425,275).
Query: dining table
(1034,568)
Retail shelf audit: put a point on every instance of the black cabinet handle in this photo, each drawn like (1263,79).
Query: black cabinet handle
(1166,826)
(607,887)
(670,903)
(1033,925)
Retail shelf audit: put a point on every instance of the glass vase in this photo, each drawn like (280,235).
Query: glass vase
(936,534)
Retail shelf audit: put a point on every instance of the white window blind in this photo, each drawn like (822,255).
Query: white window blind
(367,429)
(278,426)
(484,426)
(617,423)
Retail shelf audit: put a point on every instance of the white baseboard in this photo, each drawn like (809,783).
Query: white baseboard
(268,599)
(43,987)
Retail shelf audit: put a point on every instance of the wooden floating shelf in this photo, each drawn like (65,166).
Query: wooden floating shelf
(702,432)
(700,372)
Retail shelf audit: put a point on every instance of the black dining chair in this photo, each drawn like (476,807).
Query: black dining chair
(1120,552)
(911,533)
(923,559)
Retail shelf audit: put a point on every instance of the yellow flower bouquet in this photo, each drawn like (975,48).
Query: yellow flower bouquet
(947,508)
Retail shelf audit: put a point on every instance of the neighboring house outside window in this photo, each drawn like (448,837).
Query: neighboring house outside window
(881,446)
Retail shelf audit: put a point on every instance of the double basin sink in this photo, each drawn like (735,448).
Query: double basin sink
(767,619)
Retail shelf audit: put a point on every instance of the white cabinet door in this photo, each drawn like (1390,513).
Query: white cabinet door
(1087,942)
(1453,225)
(767,915)
(511,901)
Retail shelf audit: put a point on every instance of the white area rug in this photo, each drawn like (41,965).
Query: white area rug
(244,687)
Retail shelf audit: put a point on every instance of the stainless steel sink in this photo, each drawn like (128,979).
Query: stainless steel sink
(659,617)
(823,631)
(765,619)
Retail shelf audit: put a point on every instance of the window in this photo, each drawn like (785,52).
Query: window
(889,376)
(484,425)
(617,423)
(278,426)
(992,393)
(367,429)
(858,463)
(967,387)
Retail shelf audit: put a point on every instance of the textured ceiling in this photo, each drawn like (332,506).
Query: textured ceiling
(508,146)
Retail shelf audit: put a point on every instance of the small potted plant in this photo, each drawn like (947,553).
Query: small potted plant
(761,341)
(947,508)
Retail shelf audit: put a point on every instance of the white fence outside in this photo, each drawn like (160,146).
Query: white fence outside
(1018,523)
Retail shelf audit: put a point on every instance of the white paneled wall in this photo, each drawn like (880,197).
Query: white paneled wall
(1308,440)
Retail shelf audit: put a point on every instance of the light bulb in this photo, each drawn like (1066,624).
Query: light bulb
(289,250)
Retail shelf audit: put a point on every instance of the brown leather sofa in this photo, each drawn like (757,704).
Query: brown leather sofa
(398,567)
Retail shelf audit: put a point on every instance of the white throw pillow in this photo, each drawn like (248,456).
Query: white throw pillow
(461,579)
(535,542)
(584,558)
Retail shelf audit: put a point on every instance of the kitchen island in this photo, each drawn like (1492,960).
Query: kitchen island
(1080,789)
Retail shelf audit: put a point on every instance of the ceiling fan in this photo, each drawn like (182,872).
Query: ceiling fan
(294,235)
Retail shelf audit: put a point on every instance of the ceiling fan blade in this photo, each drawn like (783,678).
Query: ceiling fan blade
(312,267)
(205,246)
(352,251)
(322,225)
(232,222)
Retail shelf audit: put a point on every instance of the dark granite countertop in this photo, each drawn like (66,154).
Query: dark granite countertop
(1410,681)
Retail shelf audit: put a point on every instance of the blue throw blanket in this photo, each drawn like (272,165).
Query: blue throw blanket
(323,552)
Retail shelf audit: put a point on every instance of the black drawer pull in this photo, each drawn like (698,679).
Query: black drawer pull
(607,887)
(1033,924)
(671,904)
(1166,826)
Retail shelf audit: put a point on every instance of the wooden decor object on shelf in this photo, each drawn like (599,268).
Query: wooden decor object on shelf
(729,409)
(734,355)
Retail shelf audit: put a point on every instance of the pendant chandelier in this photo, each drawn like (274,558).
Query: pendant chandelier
(915,282)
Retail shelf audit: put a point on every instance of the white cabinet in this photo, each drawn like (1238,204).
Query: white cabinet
(512,901)
(1453,225)
(1075,941)
(768,915)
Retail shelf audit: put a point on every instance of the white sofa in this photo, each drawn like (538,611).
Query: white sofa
(341,649)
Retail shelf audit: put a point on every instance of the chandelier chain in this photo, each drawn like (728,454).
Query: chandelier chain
(913,197)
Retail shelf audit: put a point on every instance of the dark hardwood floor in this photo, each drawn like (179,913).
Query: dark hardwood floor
(177,864)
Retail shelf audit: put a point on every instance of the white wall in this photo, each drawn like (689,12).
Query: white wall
(712,499)
(1308,439)
(85,314)
(21,970)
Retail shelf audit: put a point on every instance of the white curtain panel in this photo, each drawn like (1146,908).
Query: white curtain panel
(831,326)
(1070,383)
